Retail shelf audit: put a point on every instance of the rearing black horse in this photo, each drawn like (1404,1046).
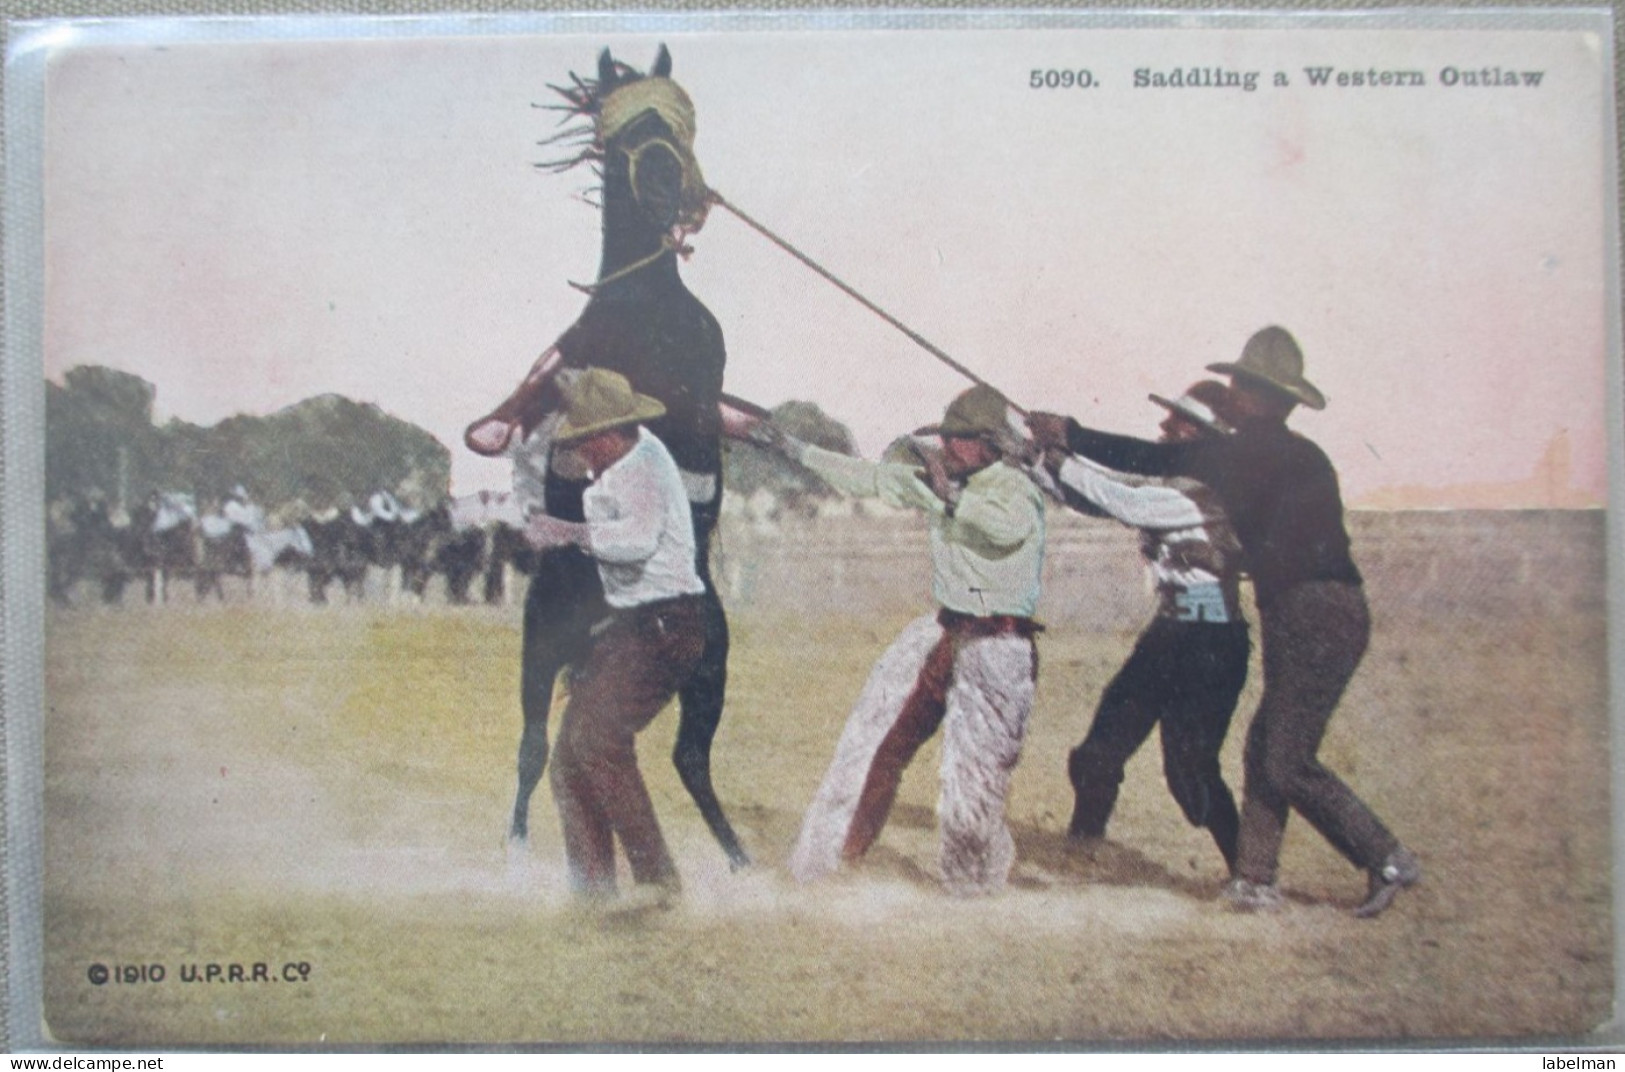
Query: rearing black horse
(642,322)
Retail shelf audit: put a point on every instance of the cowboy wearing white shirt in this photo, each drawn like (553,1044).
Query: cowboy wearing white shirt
(1189,665)
(639,530)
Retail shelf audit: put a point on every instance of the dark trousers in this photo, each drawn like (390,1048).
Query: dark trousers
(1314,636)
(633,669)
(1184,677)
(565,599)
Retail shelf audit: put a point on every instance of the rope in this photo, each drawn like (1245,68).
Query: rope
(915,336)
(668,244)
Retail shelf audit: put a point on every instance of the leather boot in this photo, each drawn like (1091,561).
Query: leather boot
(1399,871)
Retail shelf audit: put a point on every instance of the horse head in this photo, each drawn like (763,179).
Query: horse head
(640,142)
(636,132)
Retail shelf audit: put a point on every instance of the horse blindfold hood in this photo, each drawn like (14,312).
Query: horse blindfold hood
(667,100)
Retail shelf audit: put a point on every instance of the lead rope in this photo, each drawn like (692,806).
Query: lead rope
(669,243)
(1036,472)
(915,336)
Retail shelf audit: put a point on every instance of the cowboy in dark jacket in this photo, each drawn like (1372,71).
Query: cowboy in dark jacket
(1281,493)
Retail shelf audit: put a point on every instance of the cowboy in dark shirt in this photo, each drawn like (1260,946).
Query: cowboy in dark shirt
(1281,493)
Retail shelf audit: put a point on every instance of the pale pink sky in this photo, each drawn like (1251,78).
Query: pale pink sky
(249,224)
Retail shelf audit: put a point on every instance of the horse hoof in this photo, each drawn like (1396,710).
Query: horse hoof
(489,436)
(517,852)
(521,864)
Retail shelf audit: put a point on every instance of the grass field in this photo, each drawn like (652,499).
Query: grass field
(282,786)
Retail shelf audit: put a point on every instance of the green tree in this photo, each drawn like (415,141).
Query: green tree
(324,451)
(748,469)
(99,436)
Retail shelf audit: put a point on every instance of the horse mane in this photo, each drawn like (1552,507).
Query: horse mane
(583,101)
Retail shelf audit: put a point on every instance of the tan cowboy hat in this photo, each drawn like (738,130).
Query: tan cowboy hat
(980,411)
(597,400)
(1272,357)
(1196,405)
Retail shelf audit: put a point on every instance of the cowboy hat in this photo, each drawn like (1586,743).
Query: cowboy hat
(980,411)
(1196,405)
(598,400)
(1272,357)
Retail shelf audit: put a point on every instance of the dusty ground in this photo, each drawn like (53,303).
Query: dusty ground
(289,786)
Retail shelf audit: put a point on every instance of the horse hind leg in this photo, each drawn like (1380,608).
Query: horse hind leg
(205,582)
(532,762)
(701,706)
(537,702)
(537,676)
(692,757)
(561,605)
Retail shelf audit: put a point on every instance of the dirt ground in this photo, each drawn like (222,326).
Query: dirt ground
(324,792)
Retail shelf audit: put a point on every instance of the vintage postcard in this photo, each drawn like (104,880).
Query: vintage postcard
(849,528)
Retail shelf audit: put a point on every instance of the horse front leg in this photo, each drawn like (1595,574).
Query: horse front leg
(701,702)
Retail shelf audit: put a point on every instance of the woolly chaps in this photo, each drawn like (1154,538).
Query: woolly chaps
(980,691)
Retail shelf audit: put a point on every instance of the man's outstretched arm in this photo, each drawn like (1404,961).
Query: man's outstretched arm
(1123,453)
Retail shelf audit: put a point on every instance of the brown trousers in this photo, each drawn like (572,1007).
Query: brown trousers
(633,669)
(1313,636)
